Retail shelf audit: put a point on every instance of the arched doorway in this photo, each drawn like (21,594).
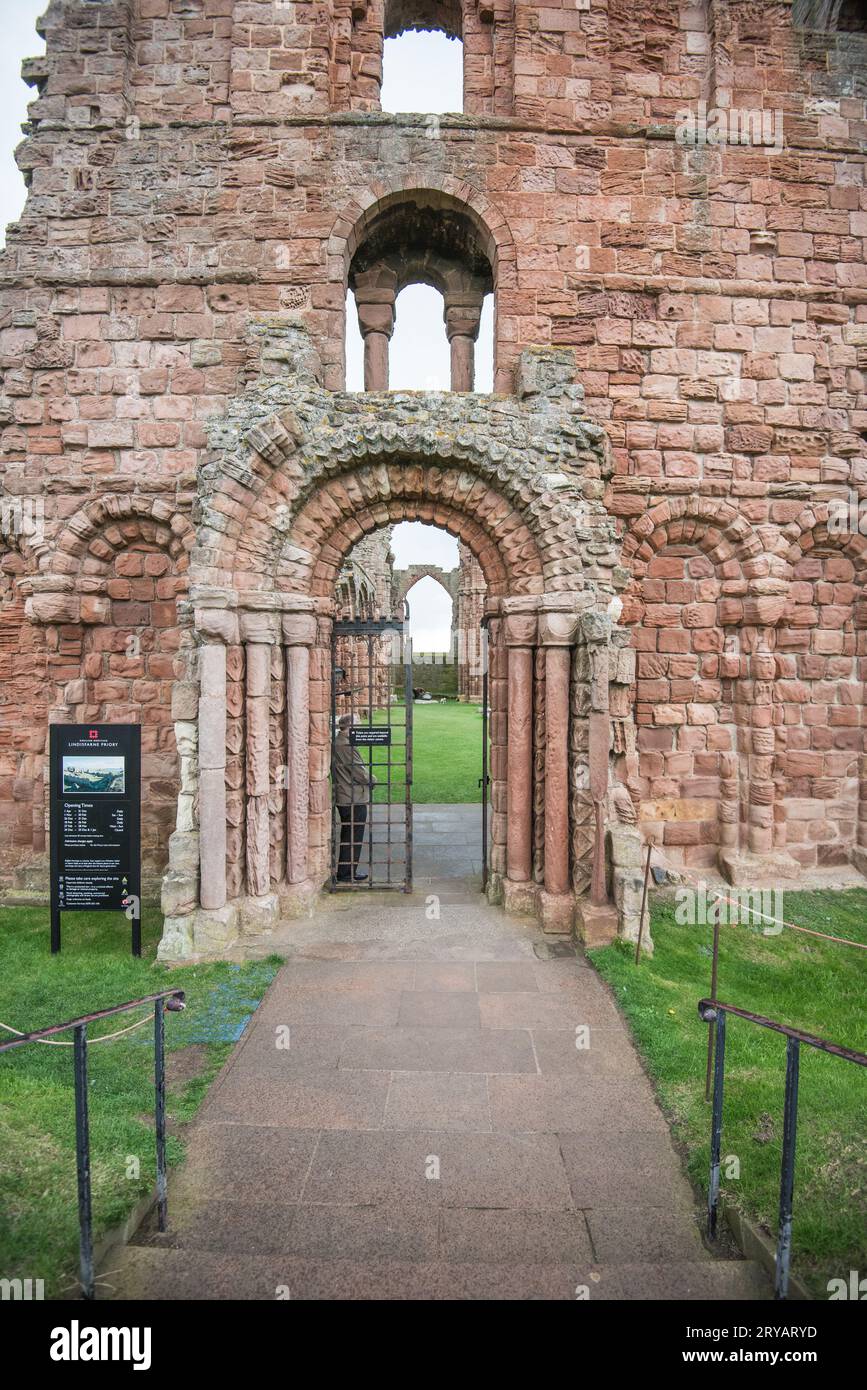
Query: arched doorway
(292,490)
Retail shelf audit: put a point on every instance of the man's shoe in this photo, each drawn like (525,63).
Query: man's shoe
(360,875)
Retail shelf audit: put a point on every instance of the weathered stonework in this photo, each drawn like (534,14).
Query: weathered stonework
(206,178)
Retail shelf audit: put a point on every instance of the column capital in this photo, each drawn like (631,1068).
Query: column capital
(521,620)
(375,311)
(521,629)
(260,627)
(558,620)
(299,629)
(462,315)
(217,625)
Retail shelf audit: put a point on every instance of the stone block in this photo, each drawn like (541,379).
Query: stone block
(744,870)
(180,892)
(556,913)
(258,916)
(520,897)
(595,925)
(628,890)
(214,930)
(297,900)
(625,848)
(184,851)
(176,943)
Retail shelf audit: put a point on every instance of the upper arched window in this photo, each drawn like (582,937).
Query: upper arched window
(426,252)
(422,58)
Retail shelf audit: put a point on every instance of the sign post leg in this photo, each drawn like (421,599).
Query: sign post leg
(55,929)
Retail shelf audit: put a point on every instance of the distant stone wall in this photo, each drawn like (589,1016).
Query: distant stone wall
(439,678)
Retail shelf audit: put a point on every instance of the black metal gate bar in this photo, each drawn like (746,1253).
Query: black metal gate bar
(385,852)
(484,779)
(407,755)
(714,1011)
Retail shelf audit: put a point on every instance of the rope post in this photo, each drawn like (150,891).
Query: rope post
(713,986)
(160,1112)
(82,1161)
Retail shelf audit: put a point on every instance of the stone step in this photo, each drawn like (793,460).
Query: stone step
(655,1255)
(148,1273)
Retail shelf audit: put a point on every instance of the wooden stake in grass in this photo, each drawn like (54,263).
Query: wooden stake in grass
(643,903)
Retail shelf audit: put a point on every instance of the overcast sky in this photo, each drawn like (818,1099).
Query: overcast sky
(422,72)
(19,40)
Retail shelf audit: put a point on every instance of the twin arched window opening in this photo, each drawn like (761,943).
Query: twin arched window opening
(421,264)
(419,355)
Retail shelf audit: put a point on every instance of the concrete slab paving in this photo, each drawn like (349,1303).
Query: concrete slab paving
(411,1114)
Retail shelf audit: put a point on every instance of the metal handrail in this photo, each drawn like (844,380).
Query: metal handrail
(172,1000)
(714,1010)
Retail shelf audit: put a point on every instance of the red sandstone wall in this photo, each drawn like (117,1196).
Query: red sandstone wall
(191,162)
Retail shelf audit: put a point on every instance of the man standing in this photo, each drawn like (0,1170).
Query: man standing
(352,784)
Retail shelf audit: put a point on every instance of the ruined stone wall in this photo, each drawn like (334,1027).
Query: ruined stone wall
(193,162)
(364,591)
(471,609)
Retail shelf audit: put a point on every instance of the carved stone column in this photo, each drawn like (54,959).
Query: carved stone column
(462,316)
(729,810)
(497,702)
(557,631)
(520,634)
(213,926)
(299,635)
(259,632)
(597,919)
(375,303)
(320,810)
(212,774)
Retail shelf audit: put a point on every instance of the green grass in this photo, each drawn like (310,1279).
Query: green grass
(813,985)
(38,1206)
(446,753)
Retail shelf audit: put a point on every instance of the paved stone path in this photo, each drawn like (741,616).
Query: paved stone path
(447,842)
(431,1131)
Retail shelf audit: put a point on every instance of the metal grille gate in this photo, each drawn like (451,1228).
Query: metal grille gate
(371,693)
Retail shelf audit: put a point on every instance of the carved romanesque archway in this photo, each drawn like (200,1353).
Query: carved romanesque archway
(281,505)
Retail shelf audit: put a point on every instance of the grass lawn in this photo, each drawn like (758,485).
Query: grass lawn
(446,753)
(38,1193)
(810,984)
